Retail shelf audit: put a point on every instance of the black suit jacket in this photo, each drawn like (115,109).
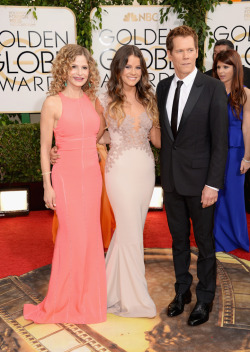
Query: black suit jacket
(198,154)
(246,71)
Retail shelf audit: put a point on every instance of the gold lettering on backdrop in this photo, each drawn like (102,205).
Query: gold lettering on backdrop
(146,17)
(22,69)
(21,18)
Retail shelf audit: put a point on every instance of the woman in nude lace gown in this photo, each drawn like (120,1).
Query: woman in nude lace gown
(130,110)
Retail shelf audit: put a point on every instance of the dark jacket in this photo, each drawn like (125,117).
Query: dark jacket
(198,154)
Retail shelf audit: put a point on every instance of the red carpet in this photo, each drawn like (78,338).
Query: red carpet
(26,242)
(156,233)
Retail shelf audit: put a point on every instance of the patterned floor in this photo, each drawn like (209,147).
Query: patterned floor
(228,328)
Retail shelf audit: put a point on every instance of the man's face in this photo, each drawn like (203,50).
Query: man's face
(183,55)
(218,49)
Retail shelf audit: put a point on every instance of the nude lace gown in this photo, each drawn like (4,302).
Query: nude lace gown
(130,179)
(77,287)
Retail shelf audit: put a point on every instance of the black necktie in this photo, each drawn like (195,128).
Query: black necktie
(174,116)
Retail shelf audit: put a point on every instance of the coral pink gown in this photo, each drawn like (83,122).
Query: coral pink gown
(77,287)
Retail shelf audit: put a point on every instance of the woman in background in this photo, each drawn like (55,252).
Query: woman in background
(230,226)
(77,287)
(131,114)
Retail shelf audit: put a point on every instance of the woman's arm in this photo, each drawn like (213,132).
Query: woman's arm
(155,136)
(245,163)
(100,110)
(47,122)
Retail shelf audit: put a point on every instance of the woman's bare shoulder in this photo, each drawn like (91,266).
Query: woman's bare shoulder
(52,102)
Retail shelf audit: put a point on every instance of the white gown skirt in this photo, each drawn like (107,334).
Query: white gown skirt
(130,182)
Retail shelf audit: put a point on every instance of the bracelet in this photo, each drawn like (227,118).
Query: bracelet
(46,173)
(246,161)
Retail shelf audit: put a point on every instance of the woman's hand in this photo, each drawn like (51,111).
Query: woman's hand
(105,138)
(50,198)
(155,136)
(54,155)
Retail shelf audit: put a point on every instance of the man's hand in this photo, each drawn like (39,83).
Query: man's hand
(208,196)
(244,166)
(54,155)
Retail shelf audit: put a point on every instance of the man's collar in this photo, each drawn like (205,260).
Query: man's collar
(188,79)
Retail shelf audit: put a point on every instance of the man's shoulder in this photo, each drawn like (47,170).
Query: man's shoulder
(209,73)
(246,69)
(208,79)
(165,81)
(246,76)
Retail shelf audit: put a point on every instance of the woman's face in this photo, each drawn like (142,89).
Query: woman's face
(79,72)
(131,73)
(225,72)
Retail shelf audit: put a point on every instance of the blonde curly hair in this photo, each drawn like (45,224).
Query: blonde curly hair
(62,64)
(144,91)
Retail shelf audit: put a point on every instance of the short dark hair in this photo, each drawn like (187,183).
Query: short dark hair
(226,42)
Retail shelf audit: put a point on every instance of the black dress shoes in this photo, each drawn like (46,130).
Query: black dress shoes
(200,313)
(176,307)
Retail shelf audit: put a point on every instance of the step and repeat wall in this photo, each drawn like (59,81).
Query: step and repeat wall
(140,25)
(135,25)
(230,22)
(28,44)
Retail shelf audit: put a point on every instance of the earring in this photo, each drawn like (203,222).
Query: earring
(65,83)
(89,85)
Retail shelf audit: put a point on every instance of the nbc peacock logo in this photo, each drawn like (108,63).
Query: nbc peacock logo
(147,17)
(130,17)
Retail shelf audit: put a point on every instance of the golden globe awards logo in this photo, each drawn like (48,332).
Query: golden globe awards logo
(26,58)
(29,42)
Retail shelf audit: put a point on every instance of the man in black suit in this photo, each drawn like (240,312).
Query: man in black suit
(225,44)
(193,159)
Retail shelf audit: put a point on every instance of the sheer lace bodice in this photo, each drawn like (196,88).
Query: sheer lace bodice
(132,133)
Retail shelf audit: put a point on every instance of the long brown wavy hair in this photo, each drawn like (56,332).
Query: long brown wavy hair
(62,64)
(237,97)
(144,91)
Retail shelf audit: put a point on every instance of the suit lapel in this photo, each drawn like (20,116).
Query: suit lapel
(164,107)
(192,99)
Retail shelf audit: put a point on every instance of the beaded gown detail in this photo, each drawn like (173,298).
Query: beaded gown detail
(130,179)
(230,224)
(77,287)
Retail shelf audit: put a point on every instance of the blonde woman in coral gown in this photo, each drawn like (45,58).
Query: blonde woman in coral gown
(77,286)
(107,216)
(131,114)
